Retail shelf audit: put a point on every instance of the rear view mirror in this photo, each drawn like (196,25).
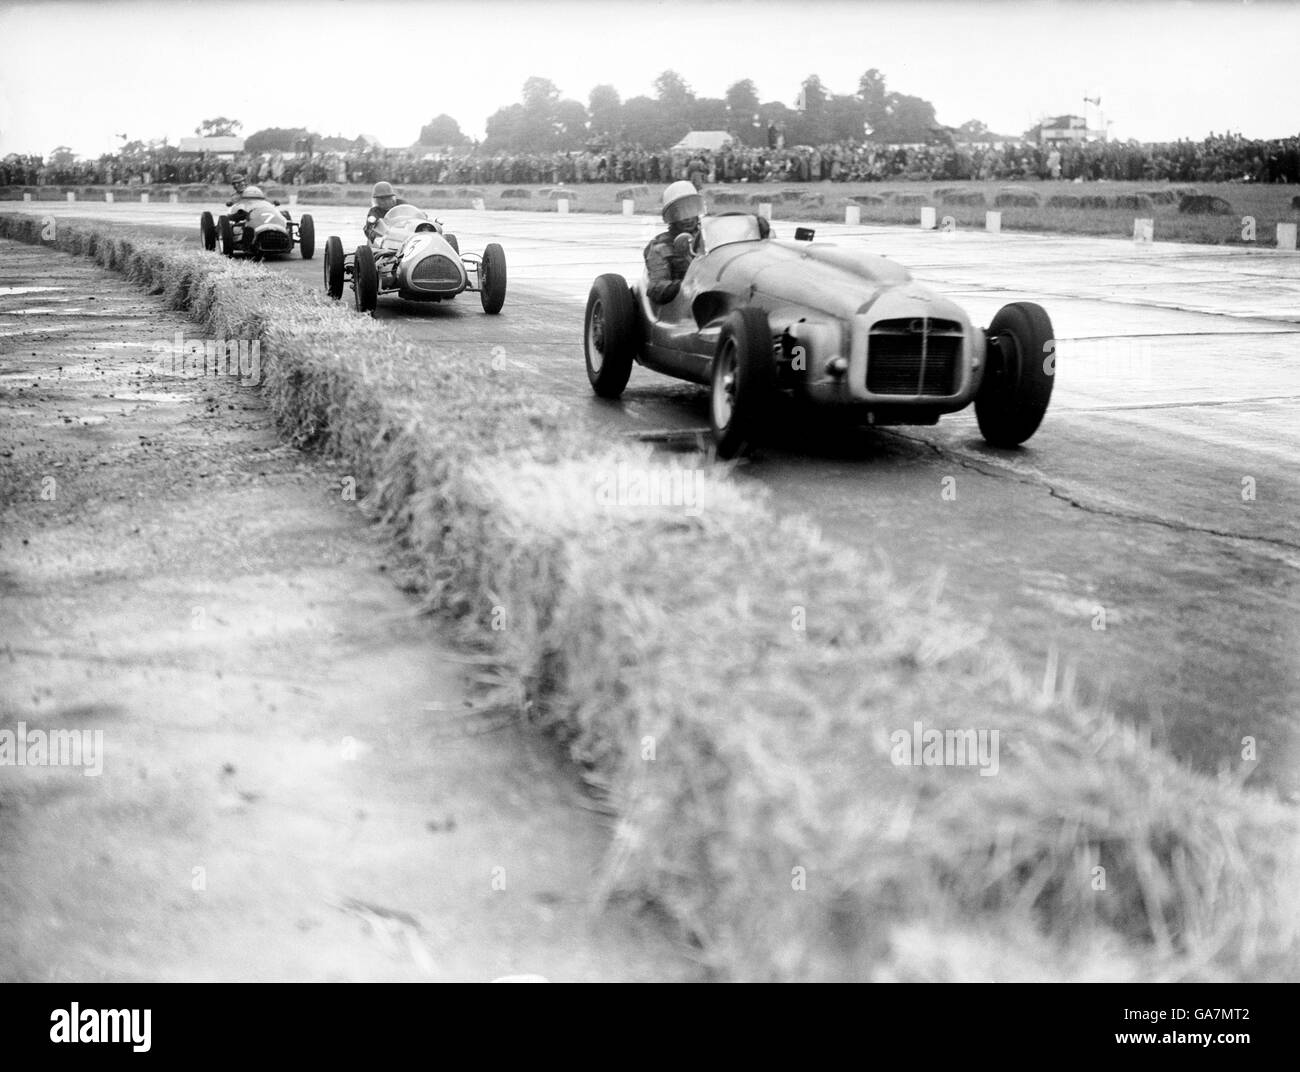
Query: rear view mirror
(804,234)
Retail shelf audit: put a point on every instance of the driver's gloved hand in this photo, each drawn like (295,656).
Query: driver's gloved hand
(670,291)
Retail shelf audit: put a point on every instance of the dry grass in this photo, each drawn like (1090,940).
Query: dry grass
(632,630)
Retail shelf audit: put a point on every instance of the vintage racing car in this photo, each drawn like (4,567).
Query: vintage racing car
(835,326)
(412,256)
(263,229)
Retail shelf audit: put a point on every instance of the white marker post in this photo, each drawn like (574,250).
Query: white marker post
(174,198)
(765,210)
(993,222)
(26,196)
(629,206)
(108,197)
(72,196)
(293,197)
(562,206)
(144,197)
(1144,232)
(928,218)
(852,215)
(1286,236)
(479,204)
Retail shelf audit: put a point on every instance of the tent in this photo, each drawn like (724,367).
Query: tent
(710,140)
(222,146)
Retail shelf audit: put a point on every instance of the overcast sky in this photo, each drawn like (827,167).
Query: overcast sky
(80,74)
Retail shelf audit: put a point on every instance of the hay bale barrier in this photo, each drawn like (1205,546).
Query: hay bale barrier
(754,766)
(1203,205)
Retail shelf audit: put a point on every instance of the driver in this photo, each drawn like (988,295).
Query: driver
(665,261)
(244,194)
(385,199)
(240,183)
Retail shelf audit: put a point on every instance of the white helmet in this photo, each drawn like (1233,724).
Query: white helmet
(681,202)
(253,192)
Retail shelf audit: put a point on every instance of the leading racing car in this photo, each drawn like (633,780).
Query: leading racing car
(756,317)
(258,228)
(412,256)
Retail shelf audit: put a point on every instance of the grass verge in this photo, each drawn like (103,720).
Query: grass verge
(744,721)
(1104,209)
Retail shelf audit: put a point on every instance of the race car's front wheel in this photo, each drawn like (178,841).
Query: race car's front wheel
(1020,367)
(226,230)
(365,280)
(307,238)
(743,385)
(208,231)
(334,267)
(492,278)
(612,335)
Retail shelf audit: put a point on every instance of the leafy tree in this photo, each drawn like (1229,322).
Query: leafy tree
(672,91)
(707,113)
(442,130)
(62,156)
(644,124)
(742,108)
(570,125)
(218,127)
(605,106)
(277,139)
(540,94)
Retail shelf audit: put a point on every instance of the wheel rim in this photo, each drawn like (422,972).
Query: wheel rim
(1008,371)
(596,336)
(724,386)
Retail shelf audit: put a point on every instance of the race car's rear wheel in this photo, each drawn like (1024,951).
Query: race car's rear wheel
(307,238)
(334,267)
(451,241)
(492,278)
(365,280)
(743,384)
(612,335)
(1020,367)
(208,231)
(226,231)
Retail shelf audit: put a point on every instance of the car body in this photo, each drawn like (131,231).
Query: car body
(264,230)
(411,255)
(831,324)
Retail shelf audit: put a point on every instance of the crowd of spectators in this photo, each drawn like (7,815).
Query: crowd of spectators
(1218,158)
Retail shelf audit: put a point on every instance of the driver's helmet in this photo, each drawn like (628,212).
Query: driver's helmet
(382,194)
(251,192)
(682,202)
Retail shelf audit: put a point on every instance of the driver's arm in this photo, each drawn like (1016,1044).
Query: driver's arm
(661,286)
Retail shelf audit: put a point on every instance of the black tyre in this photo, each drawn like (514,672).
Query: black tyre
(365,280)
(208,231)
(492,279)
(611,336)
(307,238)
(743,385)
(226,232)
(334,267)
(452,241)
(1020,367)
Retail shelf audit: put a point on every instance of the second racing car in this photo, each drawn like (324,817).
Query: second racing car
(257,227)
(412,256)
